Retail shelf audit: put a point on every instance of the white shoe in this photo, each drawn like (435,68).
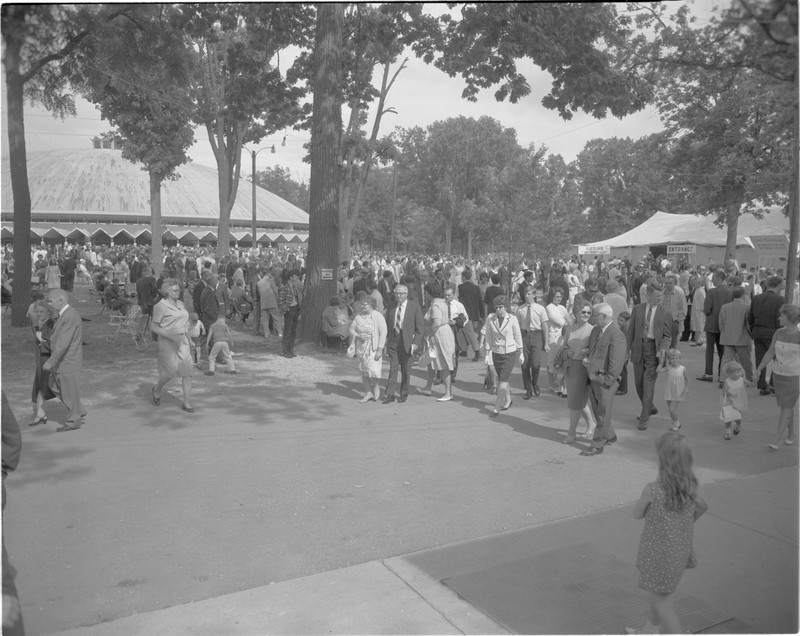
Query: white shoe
(368,397)
(445,398)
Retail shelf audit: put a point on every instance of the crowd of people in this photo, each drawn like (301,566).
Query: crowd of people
(583,321)
(577,323)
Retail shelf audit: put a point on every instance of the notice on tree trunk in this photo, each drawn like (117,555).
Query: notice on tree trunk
(326,274)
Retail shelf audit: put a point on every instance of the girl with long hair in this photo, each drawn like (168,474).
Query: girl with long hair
(670,506)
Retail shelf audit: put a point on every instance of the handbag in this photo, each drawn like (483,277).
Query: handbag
(52,383)
(351,350)
(730,414)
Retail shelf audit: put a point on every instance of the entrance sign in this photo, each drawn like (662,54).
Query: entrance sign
(681,249)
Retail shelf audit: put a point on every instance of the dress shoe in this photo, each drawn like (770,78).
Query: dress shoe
(402,398)
(764,392)
(476,357)
(621,393)
(462,354)
(66,427)
(388,399)
(591,452)
(706,378)
(528,394)
(654,411)
(507,406)
(188,409)
(536,391)
(612,440)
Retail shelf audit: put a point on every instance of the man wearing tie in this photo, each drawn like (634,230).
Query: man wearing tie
(649,337)
(66,358)
(607,351)
(532,319)
(404,320)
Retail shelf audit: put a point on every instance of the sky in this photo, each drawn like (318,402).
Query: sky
(421,95)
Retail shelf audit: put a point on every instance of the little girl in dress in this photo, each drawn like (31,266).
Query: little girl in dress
(734,398)
(677,385)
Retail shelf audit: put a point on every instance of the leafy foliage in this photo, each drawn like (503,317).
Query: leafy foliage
(279,181)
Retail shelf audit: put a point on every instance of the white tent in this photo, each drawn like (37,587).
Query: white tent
(697,237)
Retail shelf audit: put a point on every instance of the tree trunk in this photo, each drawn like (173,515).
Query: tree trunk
(794,213)
(156,252)
(732,224)
(346,227)
(21,285)
(326,131)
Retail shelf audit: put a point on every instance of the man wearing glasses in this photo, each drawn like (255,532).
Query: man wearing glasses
(607,352)
(405,327)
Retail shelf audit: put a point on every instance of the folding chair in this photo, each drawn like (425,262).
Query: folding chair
(132,327)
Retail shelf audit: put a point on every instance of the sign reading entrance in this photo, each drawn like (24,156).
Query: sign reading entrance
(681,249)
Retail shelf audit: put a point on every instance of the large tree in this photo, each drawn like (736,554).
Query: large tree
(727,90)
(117,70)
(38,40)
(326,131)
(239,91)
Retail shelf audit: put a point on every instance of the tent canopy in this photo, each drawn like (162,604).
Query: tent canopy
(663,228)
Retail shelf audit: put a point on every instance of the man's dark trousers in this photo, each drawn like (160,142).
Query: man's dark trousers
(290,320)
(399,360)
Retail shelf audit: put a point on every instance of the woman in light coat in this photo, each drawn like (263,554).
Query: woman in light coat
(503,346)
(368,337)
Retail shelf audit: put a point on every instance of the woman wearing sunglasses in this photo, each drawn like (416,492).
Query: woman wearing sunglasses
(503,346)
(576,342)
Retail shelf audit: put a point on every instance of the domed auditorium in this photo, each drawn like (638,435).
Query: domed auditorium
(94,195)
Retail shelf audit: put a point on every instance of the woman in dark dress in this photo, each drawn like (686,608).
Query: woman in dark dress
(42,328)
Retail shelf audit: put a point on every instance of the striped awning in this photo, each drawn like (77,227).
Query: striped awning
(45,231)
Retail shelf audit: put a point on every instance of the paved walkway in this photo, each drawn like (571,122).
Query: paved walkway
(748,535)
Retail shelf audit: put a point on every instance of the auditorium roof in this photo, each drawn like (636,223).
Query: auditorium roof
(99,186)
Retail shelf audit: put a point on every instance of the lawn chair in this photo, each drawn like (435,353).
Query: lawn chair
(132,326)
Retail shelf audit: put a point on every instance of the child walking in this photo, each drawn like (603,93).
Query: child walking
(734,398)
(195,330)
(670,506)
(219,340)
(677,385)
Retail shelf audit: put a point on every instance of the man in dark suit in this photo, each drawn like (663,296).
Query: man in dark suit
(66,358)
(607,351)
(763,321)
(648,338)
(470,296)
(197,293)
(715,298)
(404,336)
(70,265)
(209,304)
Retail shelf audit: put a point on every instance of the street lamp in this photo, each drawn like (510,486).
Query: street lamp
(254,154)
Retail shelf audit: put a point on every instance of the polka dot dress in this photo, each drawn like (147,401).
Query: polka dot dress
(665,549)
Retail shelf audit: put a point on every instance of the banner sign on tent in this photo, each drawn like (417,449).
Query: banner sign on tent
(770,244)
(681,249)
(594,249)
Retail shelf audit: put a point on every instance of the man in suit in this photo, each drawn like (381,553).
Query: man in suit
(607,352)
(734,332)
(404,336)
(209,303)
(715,299)
(197,293)
(763,321)
(66,358)
(385,288)
(470,296)
(648,338)
(251,282)
(268,299)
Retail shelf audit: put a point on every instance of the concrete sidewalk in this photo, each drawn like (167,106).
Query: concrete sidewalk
(748,570)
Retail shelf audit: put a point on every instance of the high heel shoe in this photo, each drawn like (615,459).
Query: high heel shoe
(38,420)
(367,398)
(568,439)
